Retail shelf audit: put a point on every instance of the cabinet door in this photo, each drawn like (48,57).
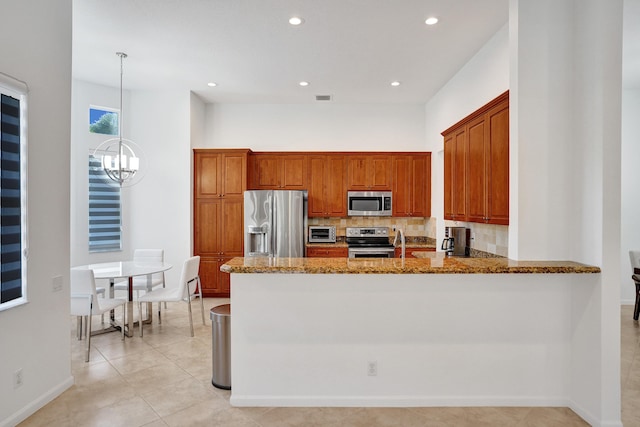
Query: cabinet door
(207,216)
(266,172)
(234,176)
(402,183)
(449,151)
(369,173)
(459,177)
(357,173)
(336,186)
(408,252)
(380,171)
(292,170)
(498,171)
(317,176)
(477,170)
(420,185)
(231,229)
(209,269)
(324,252)
(207,172)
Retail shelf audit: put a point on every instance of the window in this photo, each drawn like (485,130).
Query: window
(104,209)
(13,195)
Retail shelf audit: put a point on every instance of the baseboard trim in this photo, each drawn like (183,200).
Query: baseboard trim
(33,406)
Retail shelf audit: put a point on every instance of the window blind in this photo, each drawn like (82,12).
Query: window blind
(104,210)
(10,195)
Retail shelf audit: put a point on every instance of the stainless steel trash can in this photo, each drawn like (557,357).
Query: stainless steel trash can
(221,346)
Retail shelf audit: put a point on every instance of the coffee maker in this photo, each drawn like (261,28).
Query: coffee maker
(457,241)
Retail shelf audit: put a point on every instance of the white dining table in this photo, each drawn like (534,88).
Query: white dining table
(126,270)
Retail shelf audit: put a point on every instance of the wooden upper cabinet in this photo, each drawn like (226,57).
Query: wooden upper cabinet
(455,175)
(476,165)
(327,186)
(477,170)
(369,173)
(220,173)
(412,185)
(498,164)
(279,172)
(460,177)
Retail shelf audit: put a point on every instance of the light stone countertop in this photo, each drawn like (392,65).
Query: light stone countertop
(426,263)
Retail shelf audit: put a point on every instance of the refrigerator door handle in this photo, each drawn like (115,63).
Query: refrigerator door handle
(274,228)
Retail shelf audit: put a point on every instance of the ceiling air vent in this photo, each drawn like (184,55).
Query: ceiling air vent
(323,97)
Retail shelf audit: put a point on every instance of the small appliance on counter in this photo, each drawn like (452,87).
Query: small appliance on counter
(457,241)
(275,222)
(322,234)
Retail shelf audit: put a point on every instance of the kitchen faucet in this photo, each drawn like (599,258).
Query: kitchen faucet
(402,241)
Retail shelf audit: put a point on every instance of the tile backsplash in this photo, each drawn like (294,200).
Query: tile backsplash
(489,238)
(411,226)
(486,237)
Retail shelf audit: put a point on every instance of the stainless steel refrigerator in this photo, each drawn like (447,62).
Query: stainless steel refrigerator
(275,223)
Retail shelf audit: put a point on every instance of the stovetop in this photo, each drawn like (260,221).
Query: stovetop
(368,237)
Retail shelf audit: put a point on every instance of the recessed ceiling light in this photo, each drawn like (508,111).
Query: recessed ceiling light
(304,83)
(396,83)
(294,20)
(431,20)
(212,84)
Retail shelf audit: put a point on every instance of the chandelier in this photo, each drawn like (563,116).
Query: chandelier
(121,158)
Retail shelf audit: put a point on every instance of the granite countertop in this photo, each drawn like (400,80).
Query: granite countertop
(427,263)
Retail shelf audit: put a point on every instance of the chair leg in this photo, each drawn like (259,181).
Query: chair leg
(160,313)
(124,320)
(190,315)
(88,336)
(636,312)
(201,300)
(140,317)
(79,327)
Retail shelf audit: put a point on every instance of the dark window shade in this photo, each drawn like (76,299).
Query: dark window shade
(10,199)
(104,210)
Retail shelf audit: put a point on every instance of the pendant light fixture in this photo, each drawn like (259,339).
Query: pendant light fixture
(122,159)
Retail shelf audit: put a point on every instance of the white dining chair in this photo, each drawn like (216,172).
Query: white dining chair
(187,289)
(85,303)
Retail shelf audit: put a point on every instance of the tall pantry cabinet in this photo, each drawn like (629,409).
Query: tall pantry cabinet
(220,178)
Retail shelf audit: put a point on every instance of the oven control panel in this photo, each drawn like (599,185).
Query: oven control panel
(367,232)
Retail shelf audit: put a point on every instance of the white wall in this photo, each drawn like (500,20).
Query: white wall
(483,78)
(630,187)
(322,127)
(35,336)
(160,205)
(565,134)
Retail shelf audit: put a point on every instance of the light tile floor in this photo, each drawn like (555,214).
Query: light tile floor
(164,379)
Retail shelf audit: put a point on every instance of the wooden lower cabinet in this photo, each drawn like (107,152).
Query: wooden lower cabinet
(408,251)
(323,252)
(214,282)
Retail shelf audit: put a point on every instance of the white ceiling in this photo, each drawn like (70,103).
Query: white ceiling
(349,49)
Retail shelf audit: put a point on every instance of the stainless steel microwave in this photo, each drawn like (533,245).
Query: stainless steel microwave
(369,203)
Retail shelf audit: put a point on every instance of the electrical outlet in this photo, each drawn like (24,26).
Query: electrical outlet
(56,283)
(372,368)
(17,378)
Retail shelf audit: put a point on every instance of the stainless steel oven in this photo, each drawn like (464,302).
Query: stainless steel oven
(369,242)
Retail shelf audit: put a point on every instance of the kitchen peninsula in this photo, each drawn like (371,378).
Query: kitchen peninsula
(434,331)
